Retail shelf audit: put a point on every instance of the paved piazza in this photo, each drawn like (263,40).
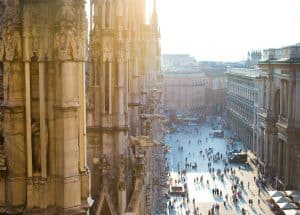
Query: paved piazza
(188,139)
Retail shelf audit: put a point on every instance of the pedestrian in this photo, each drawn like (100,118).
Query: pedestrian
(243,211)
(248,185)
(258,202)
(259,191)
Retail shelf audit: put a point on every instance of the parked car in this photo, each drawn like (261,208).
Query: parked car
(218,133)
(177,190)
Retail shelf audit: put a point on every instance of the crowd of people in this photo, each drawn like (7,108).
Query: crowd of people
(220,173)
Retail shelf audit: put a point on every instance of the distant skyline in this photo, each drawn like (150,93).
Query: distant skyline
(226,30)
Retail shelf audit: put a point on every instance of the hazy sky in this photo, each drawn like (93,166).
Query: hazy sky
(226,29)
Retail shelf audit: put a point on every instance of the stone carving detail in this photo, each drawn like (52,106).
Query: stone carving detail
(139,165)
(122,167)
(121,186)
(10,47)
(66,36)
(1,50)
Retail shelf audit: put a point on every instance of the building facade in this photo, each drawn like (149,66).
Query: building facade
(242,108)
(184,92)
(215,92)
(279,114)
(177,60)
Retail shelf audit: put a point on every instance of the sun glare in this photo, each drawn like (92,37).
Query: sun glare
(226,30)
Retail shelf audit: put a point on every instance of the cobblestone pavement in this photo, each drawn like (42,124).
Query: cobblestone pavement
(189,138)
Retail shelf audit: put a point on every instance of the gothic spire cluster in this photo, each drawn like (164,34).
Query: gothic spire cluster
(71,106)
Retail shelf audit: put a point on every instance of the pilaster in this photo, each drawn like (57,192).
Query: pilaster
(69,108)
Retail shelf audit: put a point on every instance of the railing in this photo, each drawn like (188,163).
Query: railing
(245,72)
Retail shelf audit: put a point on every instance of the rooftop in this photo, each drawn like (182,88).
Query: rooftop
(184,74)
(288,54)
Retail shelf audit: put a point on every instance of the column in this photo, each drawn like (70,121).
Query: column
(43,135)
(263,92)
(14,115)
(287,164)
(29,194)
(68,111)
(266,147)
(281,97)
(285,99)
(42,105)
(279,161)
(120,91)
(271,149)
(110,87)
(262,140)
(290,100)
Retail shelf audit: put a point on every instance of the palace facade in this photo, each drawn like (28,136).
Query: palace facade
(242,108)
(279,116)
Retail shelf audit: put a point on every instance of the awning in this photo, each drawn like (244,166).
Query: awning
(287,205)
(276,193)
(292,192)
(281,199)
(291,212)
(296,198)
